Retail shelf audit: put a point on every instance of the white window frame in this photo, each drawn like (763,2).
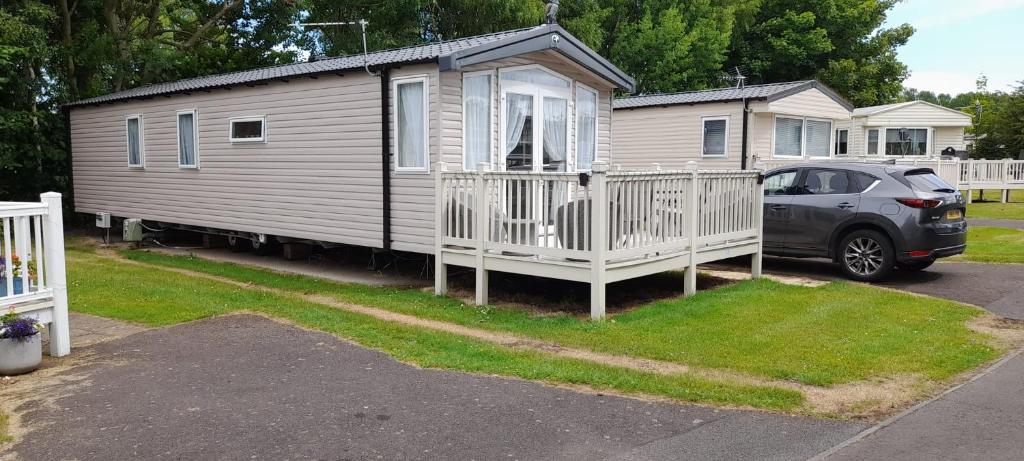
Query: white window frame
(879,147)
(142,141)
(575,130)
(803,135)
(252,118)
(883,134)
(195,136)
(725,150)
(395,82)
(835,142)
(491,117)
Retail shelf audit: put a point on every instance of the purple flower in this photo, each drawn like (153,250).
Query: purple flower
(18,329)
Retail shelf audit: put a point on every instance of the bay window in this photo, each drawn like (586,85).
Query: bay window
(476,124)
(411,153)
(586,127)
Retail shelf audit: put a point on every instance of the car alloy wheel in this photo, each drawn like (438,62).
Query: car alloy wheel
(863,256)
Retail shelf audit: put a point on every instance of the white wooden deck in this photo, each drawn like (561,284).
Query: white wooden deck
(544,224)
(966,175)
(34,232)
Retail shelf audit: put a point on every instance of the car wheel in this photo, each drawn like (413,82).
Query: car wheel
(915,266)
(866,255)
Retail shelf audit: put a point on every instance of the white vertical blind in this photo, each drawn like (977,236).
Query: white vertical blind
(819,135)
(412,125)
(586,128)
(788,136)
(476,94)
(186,139)
(715,136)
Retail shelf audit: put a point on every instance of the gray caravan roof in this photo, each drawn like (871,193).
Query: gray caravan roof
(767,92)
(449,55)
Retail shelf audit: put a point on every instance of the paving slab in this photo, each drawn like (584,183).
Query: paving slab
(245,387)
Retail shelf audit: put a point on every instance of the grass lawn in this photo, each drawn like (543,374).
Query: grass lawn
(992,209)
(994,245)
(102,286)
(838,333)
(4,436)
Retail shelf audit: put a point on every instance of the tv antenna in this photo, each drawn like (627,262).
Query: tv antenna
(362,23)
(741,80)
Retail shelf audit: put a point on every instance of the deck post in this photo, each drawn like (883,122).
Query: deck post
(1005,180)
(56,276)
(970,178)
(440,268)
(692,220)
(599,238)
(758,257)
(481,215)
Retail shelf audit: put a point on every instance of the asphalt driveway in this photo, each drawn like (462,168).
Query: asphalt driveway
(244,387)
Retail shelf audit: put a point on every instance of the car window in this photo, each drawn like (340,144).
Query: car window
(826,182)
(927,181)
(864,181)
(780,183)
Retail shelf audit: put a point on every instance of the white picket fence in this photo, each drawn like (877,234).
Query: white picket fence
(966,175)
(33,280)
(597,228)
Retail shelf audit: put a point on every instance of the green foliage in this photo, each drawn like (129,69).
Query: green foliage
(840,42)
(995,244)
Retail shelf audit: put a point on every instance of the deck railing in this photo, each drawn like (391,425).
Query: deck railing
(32,272)
(593,220)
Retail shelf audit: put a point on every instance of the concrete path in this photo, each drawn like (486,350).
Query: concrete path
(1010,223)
(244,387)
(983,419)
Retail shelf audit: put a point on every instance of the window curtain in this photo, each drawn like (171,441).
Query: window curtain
(556,113)
(134,146)
(586,135)
(187,139)
(517,108)
(714,137)
(411,126)
(788,135)
(819,136)
(476,92)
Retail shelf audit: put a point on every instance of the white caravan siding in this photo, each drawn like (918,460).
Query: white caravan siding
(318,176)
(671,135)
(948,136)
(810,103)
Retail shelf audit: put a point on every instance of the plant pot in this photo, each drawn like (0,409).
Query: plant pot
(21,355)
(18,287)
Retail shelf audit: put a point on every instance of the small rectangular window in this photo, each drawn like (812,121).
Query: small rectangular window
(476,112)
(136,155)
(715,136)
(586,128)
(247,129)
(188,151)
(411,125)
(842,142)
(789,135)
(873,142)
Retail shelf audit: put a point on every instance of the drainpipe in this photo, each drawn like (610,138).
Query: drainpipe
(385,154)
(743,149)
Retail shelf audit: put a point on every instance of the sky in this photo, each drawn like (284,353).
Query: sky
(957,40)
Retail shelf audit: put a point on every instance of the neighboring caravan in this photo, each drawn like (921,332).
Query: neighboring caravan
(914,129)
(330,151)
(793,120)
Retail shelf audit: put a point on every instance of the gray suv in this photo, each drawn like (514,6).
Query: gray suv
(868,217)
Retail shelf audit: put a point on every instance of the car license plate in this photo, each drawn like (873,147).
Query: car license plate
(954,214)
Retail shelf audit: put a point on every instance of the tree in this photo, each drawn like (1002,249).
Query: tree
(840,42)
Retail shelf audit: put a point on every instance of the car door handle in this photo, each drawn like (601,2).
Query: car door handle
(777,207)
(845,205)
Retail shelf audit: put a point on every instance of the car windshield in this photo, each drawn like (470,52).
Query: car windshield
(927,181)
